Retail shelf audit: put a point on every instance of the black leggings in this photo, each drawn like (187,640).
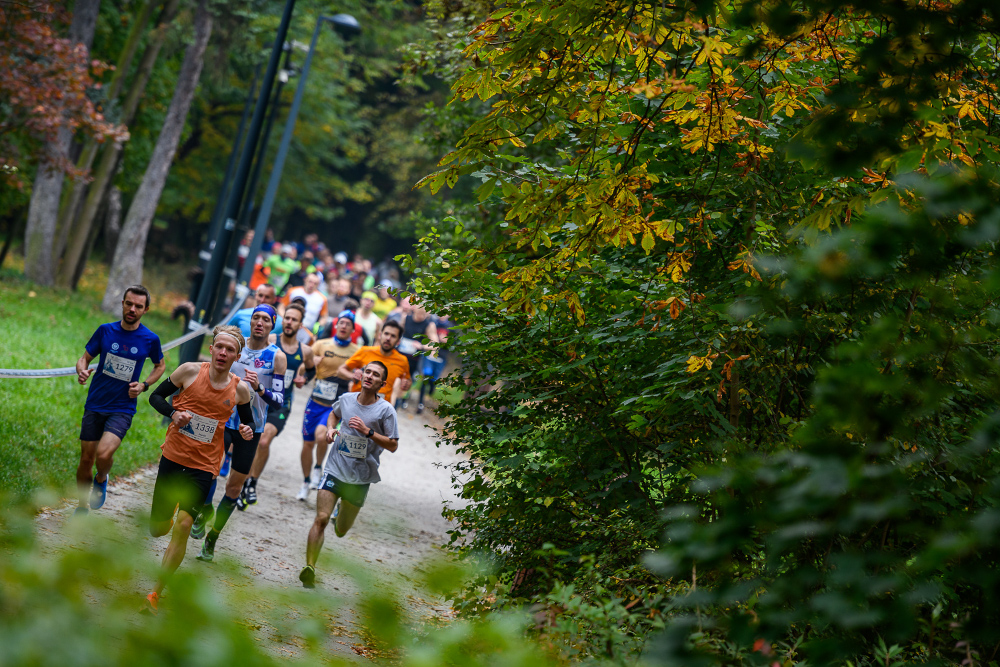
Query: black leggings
(243,450)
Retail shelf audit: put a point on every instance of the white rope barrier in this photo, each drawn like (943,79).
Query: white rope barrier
(196,330)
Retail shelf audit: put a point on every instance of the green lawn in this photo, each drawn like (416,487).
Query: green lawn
(40,418)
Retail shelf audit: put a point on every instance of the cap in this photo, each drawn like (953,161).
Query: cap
(345,313)
(299,299)
(288,247)
(340,258)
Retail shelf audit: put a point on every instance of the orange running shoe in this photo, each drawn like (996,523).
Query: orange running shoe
(152,603)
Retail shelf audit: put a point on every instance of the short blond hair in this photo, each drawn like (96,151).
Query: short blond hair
(232,330)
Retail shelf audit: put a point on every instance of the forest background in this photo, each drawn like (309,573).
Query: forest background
(726,282)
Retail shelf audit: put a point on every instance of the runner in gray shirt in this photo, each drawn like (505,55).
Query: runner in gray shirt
(369,426)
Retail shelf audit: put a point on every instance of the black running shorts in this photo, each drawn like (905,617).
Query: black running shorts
(278,418)
(243,450)
(177,485)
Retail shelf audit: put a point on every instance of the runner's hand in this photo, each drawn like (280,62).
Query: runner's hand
(299,381)
(357,375)
(245,431)
(251,378)
(134,389)
(358,424)
(181,418)
(405,384)
(81,376)
(331,435)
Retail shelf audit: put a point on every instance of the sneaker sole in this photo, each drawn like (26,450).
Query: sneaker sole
(308,578)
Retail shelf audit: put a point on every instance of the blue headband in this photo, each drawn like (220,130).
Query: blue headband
(346,313)
(264,308)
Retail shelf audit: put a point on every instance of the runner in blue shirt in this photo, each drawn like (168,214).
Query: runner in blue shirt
(121,349)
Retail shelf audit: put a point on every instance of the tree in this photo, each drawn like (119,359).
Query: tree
(730,300)
(126,268)
(47,90)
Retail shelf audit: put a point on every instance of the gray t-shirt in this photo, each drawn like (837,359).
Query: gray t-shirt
(354,457)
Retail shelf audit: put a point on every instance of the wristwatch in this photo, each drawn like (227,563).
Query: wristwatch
(145,385)
(371,432)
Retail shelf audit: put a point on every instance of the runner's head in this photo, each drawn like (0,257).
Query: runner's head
(262,321)
(345,325)
(392,331)
(311,283)
(374,375)
(368,301)
(266,294)
(227,343)
(135,303)
(291,321)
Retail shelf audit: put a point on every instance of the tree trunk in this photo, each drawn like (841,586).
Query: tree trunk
(79,232)
(47,189)
(71,204)
(126,268)
(112,223)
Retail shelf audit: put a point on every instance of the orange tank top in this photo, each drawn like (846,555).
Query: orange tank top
(200,445)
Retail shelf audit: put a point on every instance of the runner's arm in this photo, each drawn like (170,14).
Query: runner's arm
(82,367)
(157,373)
(177,381)
(275,396)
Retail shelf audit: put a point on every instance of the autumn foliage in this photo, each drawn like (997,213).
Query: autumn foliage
(47,84)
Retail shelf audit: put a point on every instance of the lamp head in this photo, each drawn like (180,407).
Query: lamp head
(345,24)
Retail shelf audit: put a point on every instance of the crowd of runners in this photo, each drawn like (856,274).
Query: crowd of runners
(325,321)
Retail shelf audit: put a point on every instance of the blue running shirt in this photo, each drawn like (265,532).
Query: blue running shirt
(294,361)
(120,355)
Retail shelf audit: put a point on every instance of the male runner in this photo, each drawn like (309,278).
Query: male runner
(368,427)
(329,354)
(107,415)
(262,366)
(315,301)
(366,317)
(192,451)
(385,352)
(298,356)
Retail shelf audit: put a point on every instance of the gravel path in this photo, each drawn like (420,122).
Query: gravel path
(397,532)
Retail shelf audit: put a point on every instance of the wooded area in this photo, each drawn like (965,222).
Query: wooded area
(724,275)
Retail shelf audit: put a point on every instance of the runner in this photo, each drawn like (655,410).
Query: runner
(366,317)
(329,354)
(368,427)
(262,366)
(192,450)
(314,300)
(298,355)
(384,352)
(417,324)
(122,348)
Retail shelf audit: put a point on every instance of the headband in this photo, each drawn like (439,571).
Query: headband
(268,310)
(239,345)
(347,314)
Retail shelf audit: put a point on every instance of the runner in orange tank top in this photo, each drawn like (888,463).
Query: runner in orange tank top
(193,449)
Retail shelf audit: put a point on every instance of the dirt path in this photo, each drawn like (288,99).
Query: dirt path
(397,531)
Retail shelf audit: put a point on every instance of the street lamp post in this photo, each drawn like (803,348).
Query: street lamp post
(346,25)
(206,295)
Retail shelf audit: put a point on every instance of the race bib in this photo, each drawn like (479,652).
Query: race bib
(407,346)
(119,368)
(289,376)
(200,428)
(326,390)
(354,446)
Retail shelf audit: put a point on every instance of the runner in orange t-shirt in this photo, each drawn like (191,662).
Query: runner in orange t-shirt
(385,351)
(193,449)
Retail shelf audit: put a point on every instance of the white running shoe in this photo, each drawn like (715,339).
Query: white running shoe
(314,479)
(303,492)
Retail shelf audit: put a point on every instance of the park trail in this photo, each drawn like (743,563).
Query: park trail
(399,530)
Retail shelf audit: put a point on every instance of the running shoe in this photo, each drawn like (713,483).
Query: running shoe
(315,477)
(251,494)
(308,576)
(303,492)
(201,522)
(420,408)
(81,511)
(99,493)
(207,554)
(224,471)
(241,502)
(152,604)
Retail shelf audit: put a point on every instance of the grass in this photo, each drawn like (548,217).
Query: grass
(40,419)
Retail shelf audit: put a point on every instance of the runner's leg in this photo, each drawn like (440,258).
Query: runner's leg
(106,448)
(321,448)
(174,554)
(85,471)
(263,451)
(345,518)
(325,500)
